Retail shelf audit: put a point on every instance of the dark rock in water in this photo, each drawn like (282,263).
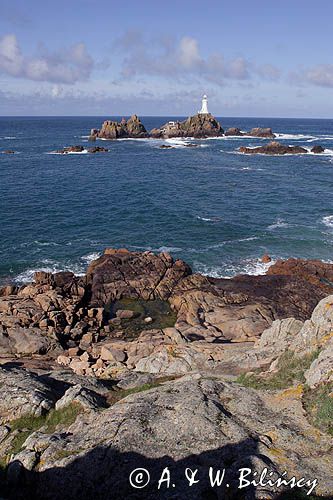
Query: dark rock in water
(200,126)
(317,149)
(131,128)
(274,148)
(166,146)
(262,132)
(8,152)
(81,149)
(233,131)
(70,149)
(97,149)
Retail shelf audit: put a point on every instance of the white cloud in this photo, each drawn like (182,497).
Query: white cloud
(321,75)
(183,60)
(188,55)
(67,66)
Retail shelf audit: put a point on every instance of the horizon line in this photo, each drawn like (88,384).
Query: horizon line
(167,116)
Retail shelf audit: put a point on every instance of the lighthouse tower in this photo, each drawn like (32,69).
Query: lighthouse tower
(204,106)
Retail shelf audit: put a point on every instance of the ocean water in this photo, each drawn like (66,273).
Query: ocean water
(215,208)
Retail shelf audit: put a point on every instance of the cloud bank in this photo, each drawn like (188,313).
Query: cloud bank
(67,66)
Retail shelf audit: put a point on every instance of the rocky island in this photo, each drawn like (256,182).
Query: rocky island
(131,128)
(141,363)
(200,126)
(276,148)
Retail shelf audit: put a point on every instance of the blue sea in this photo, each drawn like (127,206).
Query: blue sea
(215,208)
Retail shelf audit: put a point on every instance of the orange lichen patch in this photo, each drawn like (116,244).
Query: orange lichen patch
(273,435)
(328,305)
(326,338)
(292,392)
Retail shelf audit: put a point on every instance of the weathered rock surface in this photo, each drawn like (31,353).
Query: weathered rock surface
(122,273)
(69,318)
(22,393)
(192,423)
(131,128)
(315,272)
(199,126)
(321,370)
(274,148)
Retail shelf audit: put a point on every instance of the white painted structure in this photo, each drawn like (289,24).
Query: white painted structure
(204,106)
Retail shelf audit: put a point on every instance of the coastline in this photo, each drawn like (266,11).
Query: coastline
(139,345)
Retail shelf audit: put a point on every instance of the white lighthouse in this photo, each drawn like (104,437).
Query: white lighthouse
(204,106)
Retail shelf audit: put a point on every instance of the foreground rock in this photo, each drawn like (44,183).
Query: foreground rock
(198,126)
(70,427)
(131,128)
(193,423)
(274,148)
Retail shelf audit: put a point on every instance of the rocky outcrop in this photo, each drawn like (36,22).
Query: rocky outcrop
(120,273)
(262,132)
(131,128)
(189,424)
(316,272)
(274,148)
(81,149)
(233,131)
(71,319)
(199,126)
(317,149)
(74,429)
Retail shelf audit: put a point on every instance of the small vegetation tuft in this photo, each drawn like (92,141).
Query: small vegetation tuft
(290,370)
(117,394)
(318,404)
(27,424)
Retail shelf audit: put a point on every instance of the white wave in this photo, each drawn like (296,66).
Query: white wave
(91,257)
(294,137)
(256,267)
(8,137)
(209,219)
(253,267)
(85,151)
(278,224)
(326,152)
(167,249)
(327,220)
(178,143)
(48,266)
(46,243)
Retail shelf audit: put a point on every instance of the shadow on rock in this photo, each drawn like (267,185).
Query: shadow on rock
(104,473)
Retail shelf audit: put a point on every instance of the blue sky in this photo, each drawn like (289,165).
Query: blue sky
(86,57)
